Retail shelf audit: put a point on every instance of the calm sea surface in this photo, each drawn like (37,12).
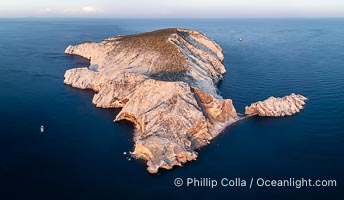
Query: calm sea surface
(80,156)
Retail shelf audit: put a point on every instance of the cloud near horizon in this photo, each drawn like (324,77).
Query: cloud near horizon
(90,9)
(72,11)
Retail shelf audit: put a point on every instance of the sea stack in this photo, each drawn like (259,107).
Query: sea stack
(165,83)
(277,107)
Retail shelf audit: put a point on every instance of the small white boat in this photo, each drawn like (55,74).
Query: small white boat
(42,129)
(241,39)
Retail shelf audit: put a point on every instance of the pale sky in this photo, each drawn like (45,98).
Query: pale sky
(172,8)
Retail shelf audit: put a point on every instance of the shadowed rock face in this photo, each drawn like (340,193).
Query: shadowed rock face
(165,83)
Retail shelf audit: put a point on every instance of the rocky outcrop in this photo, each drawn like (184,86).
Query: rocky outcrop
(220,112)
(166,55)
(169,122)
(276,107)
(165,84)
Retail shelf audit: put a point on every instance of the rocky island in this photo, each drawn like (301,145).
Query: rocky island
(165,83)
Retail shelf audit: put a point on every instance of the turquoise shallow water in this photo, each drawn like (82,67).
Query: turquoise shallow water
(81,154)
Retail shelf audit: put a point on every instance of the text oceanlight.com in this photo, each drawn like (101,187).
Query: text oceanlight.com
(253,182)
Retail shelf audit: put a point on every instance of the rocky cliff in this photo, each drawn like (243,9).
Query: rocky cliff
(276,107)
(165,83)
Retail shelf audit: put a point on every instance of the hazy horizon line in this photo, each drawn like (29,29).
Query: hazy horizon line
(75,17)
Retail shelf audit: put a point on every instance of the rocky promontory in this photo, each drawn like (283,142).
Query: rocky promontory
(276,107)
(165,84)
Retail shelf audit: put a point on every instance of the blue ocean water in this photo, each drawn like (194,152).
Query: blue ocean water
(80,156)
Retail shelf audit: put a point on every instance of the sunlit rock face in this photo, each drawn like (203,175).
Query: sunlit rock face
(165,84)
(276,107)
